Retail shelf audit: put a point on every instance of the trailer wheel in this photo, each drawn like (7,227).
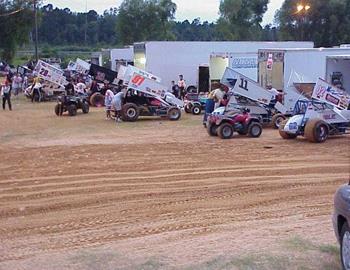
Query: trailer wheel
(72,110)
(174,114)
(225,131)
(254,129)
(212,129)
(283,134)
(130,112)
(316,131)
(85,107)
(191,89)
(277,120)
(187,108)
(196,110)
(97,100)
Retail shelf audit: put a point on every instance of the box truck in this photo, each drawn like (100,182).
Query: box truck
(169,59)
(294,72)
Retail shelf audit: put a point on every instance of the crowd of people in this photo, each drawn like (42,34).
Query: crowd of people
(179,89)
(14,83)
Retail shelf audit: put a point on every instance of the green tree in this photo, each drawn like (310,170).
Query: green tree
(240,19)
(326,22)
(140,20)
(16,20)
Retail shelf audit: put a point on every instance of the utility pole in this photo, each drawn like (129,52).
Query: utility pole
(85,34)
(36,30)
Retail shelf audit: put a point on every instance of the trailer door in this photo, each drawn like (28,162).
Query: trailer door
(203,79)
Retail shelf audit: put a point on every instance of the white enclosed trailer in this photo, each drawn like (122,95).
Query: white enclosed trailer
(123,56)
(338,68)
(169,59)
(295,71)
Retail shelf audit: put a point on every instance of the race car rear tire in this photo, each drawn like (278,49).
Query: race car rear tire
(277,119)
(174,114)
(130,112)
(225,131)
(283,134)
(316,130)
(97,100)
(196,110)
(255,130)
(212,129)
(72,110)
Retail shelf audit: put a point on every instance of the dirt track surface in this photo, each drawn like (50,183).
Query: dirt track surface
(84,193)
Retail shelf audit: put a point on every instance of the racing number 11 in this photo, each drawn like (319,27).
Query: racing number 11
(244,84)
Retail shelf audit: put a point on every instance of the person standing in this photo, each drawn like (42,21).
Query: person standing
(80,87)
(6,95)
(175,89)
(214,101)
(117,103)
(108,103)
(25,82)
(36,89)
(182,86)
(69,89)
(16,84)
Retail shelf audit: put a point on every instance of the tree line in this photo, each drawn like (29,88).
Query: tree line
(327,23)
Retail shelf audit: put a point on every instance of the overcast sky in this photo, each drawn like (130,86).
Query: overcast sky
(186,9)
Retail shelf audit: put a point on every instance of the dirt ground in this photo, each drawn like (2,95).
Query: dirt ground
(85,193)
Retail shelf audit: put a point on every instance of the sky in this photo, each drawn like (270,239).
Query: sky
(186,9)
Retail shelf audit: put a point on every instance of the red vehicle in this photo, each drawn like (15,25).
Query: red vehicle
(226,125)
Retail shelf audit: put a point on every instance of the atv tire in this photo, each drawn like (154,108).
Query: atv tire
(212,130)
(316,130)
(225,131)
(196,110)
(72,110)
(187,109)
(277,119)
(130,112)
(283,134)
(174,114)
(58,110)
(255,130)
(85,107)
(97,100)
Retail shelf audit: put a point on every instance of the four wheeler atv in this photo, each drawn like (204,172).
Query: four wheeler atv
(225,125)
(71,104)
(194,103)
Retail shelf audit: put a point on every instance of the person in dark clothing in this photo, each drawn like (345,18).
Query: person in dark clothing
(70,89)
(175,89)
(6,95)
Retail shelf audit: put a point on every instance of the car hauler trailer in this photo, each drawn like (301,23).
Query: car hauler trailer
(338,71)
(122,56)
(294,72)
(169,59)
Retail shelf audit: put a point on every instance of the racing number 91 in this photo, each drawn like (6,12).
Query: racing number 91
(244,84)
(138,80)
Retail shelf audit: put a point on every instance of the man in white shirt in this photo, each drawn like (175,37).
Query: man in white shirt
(80,88)
(182,86)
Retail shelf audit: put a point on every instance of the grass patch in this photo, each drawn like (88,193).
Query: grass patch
(329,249)
(299,244)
